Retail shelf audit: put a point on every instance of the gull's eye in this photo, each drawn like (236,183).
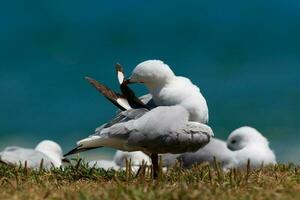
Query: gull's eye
(233,141)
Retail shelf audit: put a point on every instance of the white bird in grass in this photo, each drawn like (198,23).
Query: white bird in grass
(249,144)
(167,89)
(47,152)
(164,129)
(243,144)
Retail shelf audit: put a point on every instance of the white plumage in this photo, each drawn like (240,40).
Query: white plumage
(247,143)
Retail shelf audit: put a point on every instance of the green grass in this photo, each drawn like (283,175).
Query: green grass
(201,182)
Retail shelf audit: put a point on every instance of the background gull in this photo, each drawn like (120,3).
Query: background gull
(48,151)
(248,143)
(164,129)
(242,144)
(167,89)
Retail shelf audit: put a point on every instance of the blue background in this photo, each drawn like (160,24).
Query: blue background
(244,55)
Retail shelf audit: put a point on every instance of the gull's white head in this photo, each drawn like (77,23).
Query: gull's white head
(245,136)
(52,150)
(153,73)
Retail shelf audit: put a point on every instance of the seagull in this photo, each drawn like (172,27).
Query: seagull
(243,144)
(46,154)
(167,89)
(247,143)
(163,129)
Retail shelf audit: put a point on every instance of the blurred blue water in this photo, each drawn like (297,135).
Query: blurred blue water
(245,57)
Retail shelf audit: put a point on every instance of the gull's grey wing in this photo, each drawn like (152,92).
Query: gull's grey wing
(189,138)
(163,130)
(18,155)
(215,148)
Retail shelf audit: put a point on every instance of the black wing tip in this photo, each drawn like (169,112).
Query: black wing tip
(78,150)
(73,151)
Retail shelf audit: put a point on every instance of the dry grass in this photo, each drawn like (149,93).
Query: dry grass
(201,182)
